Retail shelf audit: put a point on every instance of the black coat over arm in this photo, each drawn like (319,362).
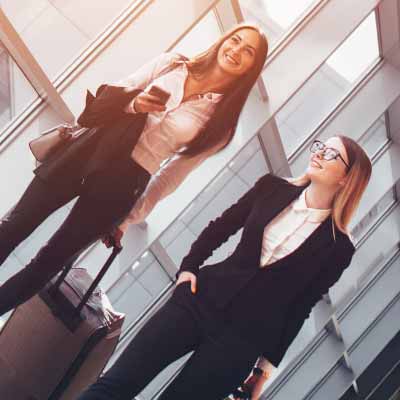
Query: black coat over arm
(109,132)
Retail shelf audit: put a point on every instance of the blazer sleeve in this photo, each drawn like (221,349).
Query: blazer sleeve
(303,304)
(219,230)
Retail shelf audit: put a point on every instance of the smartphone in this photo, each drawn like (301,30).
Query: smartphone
(160,93)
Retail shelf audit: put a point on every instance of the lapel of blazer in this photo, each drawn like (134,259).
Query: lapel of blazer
(282,196)
(321,239)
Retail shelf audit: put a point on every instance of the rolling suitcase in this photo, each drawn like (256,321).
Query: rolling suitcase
(56,344)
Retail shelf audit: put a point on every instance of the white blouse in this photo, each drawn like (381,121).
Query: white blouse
(289,229)
(166,132)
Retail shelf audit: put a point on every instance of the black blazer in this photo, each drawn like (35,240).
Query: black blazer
(314,267)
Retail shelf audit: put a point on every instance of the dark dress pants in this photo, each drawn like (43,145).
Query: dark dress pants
(105,198)
(219,364)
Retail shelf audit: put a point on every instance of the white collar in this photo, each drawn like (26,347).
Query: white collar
(315,215)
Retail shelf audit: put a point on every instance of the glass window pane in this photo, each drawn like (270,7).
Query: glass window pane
(16,92)
(328,86)
(359,321)
(372,255)
(202,36)
(373,215)
(276,17)
(5,95)
(57,31)
(358,52)
(375,137)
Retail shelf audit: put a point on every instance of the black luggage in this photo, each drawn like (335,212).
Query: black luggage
(56,344)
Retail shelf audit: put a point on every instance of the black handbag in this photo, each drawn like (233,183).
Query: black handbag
(57,139)
(53,140)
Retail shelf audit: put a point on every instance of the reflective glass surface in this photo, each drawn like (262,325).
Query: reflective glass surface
(328,86)
(276,17)
(16,93)
(57,31)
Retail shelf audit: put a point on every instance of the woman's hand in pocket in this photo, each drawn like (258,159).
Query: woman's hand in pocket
(186,276)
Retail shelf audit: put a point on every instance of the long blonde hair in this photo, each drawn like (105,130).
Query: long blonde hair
(348,197)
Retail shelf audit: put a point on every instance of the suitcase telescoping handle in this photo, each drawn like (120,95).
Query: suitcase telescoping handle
(115,251)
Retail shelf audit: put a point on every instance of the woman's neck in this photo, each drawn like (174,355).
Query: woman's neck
(216,80)
(320,196)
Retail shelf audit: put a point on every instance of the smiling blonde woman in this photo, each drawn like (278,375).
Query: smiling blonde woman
(252,304)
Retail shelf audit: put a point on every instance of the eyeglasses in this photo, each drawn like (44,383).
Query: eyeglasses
(328,153)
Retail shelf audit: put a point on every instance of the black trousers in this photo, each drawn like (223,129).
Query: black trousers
(105,199)
(219,364)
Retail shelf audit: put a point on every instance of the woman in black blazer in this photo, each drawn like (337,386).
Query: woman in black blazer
(209,309)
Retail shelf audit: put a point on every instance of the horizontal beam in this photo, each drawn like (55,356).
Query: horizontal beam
(31,68)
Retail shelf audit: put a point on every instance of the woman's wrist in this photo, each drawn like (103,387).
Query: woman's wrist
(124,225)
(130,107)
(134,111)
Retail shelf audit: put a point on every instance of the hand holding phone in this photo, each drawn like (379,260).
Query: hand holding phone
(152,101)
(161,94)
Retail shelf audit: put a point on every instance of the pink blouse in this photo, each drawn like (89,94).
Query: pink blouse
(166,132)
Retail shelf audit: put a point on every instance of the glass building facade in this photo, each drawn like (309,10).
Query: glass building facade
(333,68)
